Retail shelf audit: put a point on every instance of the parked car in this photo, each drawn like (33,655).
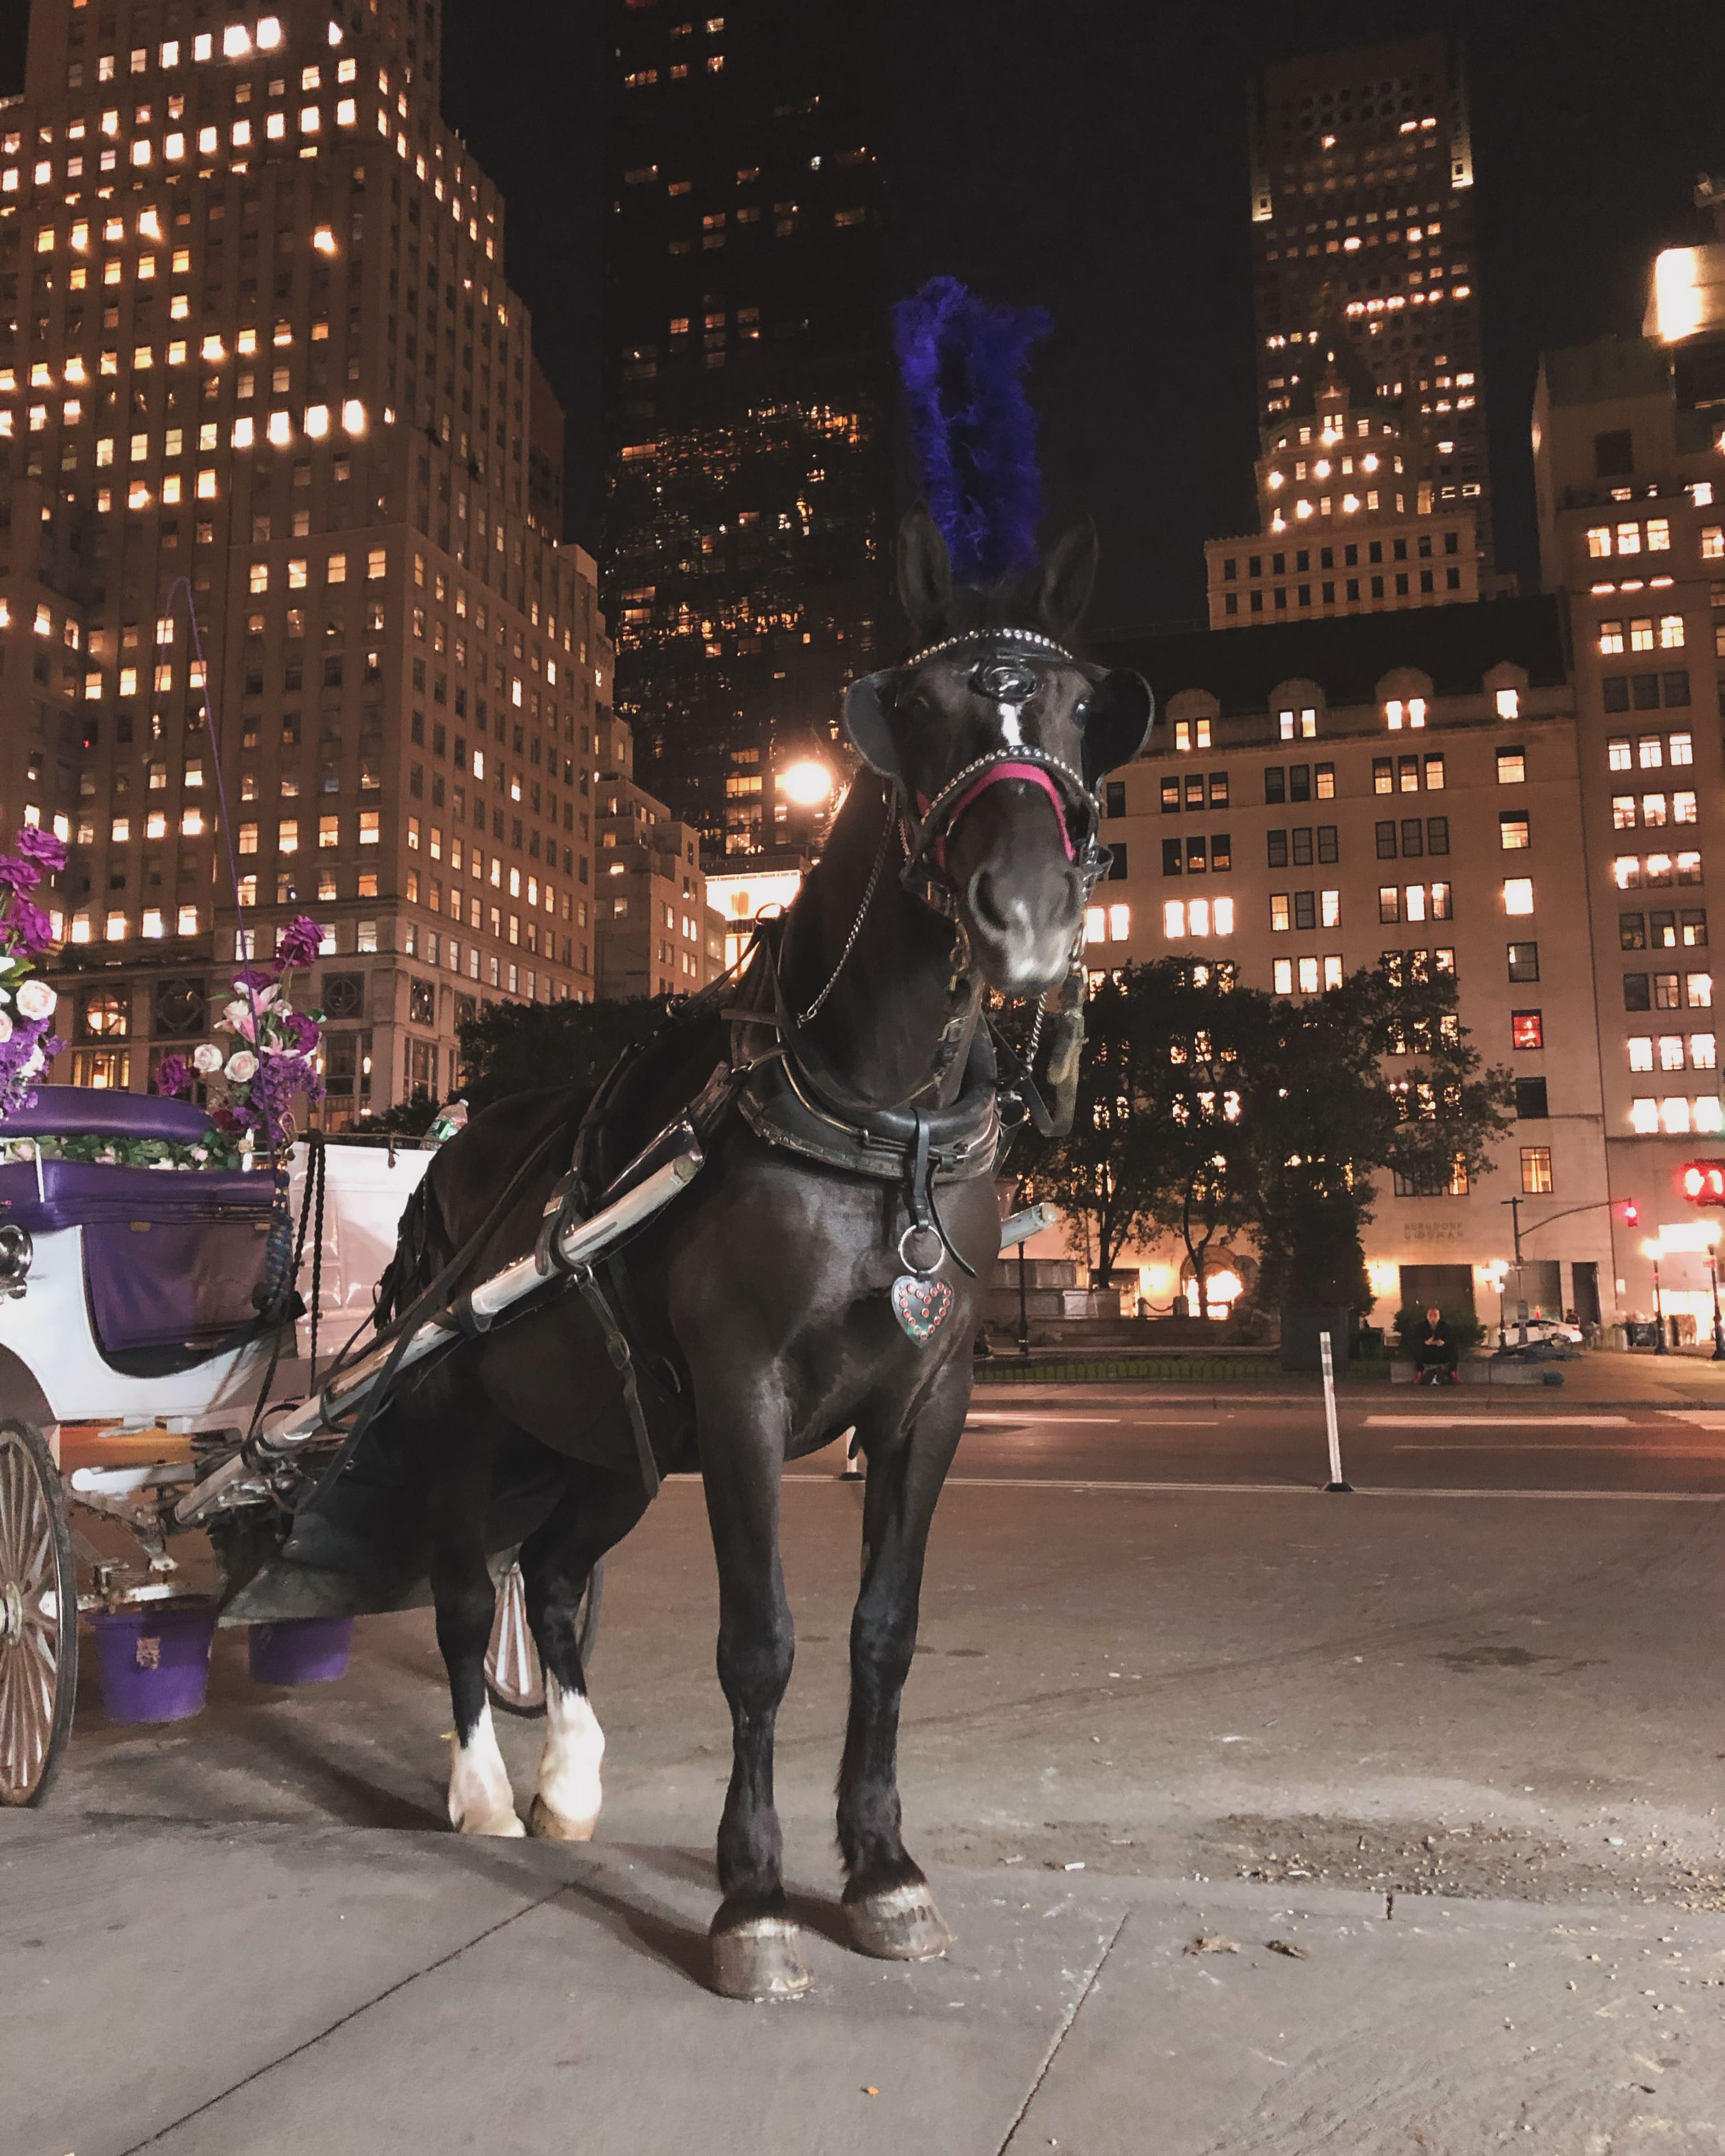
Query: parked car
(1548,1332)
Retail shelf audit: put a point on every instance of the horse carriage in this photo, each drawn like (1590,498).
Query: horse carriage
(133,1360)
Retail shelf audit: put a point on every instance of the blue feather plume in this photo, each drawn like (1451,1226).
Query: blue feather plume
(962,361)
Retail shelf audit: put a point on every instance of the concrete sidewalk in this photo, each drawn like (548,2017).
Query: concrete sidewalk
(205,1993)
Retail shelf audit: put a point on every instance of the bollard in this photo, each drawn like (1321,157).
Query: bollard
(1335,1483)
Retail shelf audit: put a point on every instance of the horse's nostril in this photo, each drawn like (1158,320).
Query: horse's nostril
(983,903)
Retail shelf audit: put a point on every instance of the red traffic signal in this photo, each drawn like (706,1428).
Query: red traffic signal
(1702,1181)
(1629,1212)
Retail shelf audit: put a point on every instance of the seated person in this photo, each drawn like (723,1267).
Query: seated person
(1435,1350)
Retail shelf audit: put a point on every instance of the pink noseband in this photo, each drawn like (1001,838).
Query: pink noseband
(1031,772)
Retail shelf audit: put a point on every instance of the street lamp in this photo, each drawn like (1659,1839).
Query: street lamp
(1712,1232)
(806,784)
(1497,1272)
(1652,1248)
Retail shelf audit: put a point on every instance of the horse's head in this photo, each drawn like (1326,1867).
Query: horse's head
(997,739)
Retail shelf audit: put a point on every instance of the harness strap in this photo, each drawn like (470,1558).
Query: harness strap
(624,1362)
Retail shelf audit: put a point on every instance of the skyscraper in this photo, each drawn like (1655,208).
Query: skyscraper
(1363,212)
(751,480)
(255,331)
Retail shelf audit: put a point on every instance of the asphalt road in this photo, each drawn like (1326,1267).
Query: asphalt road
(1464,1754)
(1451,1442)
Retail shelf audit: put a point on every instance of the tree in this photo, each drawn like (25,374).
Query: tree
(1197,1035)
(1378,1073)
(515,1048)
(1104,1176)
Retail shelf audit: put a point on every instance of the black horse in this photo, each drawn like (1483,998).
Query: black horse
(823,1271)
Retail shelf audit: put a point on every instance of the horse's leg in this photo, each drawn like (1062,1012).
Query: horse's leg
(480,1798)
(887,1901)
(756,1951)
(556,1561)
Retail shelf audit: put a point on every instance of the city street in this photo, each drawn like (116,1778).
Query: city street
(1452,1744)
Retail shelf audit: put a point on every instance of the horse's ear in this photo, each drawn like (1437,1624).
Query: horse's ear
(1118,713)
(925,569)
(867,703)
(1068,577)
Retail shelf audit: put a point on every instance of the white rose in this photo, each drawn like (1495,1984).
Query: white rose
(206,1059)
(36,1000)
(5,1027)
(242,1066)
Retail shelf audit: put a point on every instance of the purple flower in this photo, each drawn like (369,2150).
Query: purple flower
(256,977)
(173,1076)
(42,846)
(17,874)
(302,1032)
(30,927)
(299,942)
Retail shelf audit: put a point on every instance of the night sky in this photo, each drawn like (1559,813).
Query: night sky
(1091,155)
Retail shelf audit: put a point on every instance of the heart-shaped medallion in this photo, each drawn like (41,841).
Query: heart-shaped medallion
(922,1306)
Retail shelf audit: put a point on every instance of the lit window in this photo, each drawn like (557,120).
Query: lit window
(1641,1051)
(1659,535)
(192,824)
(1644,1117)
(1675,1116)
(318,421)
(1650,752)
(1713,542)
(116,928)
(1279,920)
(1330,909)
(287,835)
(1222,916)
(311,119)
(1308,977)
(241,134)
(1682,748)
(1509,703)
(1670,632)
(353,417)
(1174,921)
(1707,1114)
(1629,539)
(1518,895)
(1610,636)
(1599,540)
(337,571)
(1640,637)
(1281,972)
(236,41)
(187,922)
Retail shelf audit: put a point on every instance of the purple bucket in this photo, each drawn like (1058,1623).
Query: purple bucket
(301,1651)
(154,1660)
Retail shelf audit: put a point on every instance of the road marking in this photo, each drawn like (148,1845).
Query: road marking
(1629,1451)
(1704,1418)
(1496,1422)
(989,1414)
(1298,1490)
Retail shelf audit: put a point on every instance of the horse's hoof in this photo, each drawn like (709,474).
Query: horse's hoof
(552,1826)
(506,1823)
(901,1924)
(759,1959)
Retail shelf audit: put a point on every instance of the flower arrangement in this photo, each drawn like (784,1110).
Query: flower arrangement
(27,1002)
(267,1059)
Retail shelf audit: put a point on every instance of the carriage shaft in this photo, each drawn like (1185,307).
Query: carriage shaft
(285,1431)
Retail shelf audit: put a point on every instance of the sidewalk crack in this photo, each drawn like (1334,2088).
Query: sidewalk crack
(353,2013)
(1060,2037)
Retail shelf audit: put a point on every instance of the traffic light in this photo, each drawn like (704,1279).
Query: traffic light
(1702,1181)
(1629,1212)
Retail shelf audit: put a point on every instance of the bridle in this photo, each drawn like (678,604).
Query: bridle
(925,827)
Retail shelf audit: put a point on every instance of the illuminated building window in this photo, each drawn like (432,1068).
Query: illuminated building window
(1659,535)
(1641,1051)
(1307,973)
(1629,539)
(1640,634)
(1650,752)
(1670,632)
(1280,919)
(1623,811)
(1611,635)
(1676,1116)
(1680,749)
(1536,1170)
(1644,1117)
(1599,540)
(1509,703)
(1703,1051)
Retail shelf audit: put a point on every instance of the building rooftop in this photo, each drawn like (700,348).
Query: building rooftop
(1610,368)
(1456,646)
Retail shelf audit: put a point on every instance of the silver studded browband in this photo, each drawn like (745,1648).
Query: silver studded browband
(993,636)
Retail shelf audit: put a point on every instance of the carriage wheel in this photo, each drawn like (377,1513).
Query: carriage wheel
(38,1617)
(514,1677)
